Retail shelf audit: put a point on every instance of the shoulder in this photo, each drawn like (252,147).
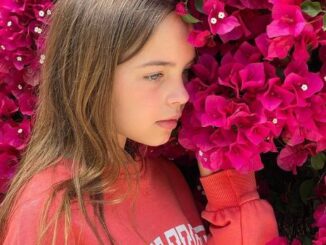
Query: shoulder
(39,187)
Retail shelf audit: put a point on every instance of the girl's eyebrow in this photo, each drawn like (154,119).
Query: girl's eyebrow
(164,63)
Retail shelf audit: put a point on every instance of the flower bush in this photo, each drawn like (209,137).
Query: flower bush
(257,100)
(258,103)
(22,32)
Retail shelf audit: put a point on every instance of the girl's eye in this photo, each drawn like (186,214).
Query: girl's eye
(157,76)
(154,77)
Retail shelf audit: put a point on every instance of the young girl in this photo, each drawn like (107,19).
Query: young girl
(114,70)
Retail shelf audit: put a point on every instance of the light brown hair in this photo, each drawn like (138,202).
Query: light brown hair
(85,42)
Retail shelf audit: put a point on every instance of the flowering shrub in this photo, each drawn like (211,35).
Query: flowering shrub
(257,98)
(22,25)
(258,102)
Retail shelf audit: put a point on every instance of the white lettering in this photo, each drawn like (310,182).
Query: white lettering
(183,234)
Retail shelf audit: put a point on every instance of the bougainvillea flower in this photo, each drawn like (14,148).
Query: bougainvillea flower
(15,135)
(7,105)
(318,106)
(198,38)
(247,54)
(279,47)
(320,238)
(303,87)
(27,102)
(8,164)
(287,21)
(252,76)
(275,95)
(292,157)
(320,216)
(218,20)
(206,68)
(181,9)
(214,111)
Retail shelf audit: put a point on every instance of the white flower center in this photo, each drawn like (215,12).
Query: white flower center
(213,20)
(41,13)
(304,87)
(221,15)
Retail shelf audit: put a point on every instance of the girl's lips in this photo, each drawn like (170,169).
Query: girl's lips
(168,124)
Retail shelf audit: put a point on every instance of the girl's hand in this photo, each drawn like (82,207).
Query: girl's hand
(205,171)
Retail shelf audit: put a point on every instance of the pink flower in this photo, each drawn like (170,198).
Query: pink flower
(287,21)
(8,164)
(250,4)
(206,69)
(320,216)
(292,157)
(275,95)
(279,47)
(218,20)
(21,58)
(198,38)
(181,9)
(7,105)
(27,102)
(247,54)
(320,238)
(15,135)
(215,114)
(303,86)
(320,222)
(252,76)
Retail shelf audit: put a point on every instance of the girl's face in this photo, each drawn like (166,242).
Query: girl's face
(150,86)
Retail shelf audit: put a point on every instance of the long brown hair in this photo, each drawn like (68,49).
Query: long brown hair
(85,42)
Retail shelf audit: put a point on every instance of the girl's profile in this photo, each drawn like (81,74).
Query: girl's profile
(115,73)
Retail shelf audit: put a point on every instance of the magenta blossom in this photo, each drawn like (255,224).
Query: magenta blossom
(15,135)
(303,86)
(181,9)
(199,38)
(287,21)
(292,157)
(275,96)
(218,20)
(8,164)
(252,76)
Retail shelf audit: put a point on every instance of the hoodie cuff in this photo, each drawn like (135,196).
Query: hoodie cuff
(229,188)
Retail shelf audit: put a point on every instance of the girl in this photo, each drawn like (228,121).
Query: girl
(114,71)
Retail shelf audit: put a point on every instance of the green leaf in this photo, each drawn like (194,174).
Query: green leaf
(190,19)
(318,161)
(306,190)
(324,22)
(199,6)
(311,8)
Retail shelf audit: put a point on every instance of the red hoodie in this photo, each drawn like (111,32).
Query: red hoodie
(165,211)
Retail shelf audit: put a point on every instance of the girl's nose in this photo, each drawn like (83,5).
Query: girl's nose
(179,95)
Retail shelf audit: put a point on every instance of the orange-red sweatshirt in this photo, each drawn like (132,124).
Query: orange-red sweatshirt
(165,211)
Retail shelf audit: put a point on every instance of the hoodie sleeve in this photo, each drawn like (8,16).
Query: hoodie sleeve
(235,211)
